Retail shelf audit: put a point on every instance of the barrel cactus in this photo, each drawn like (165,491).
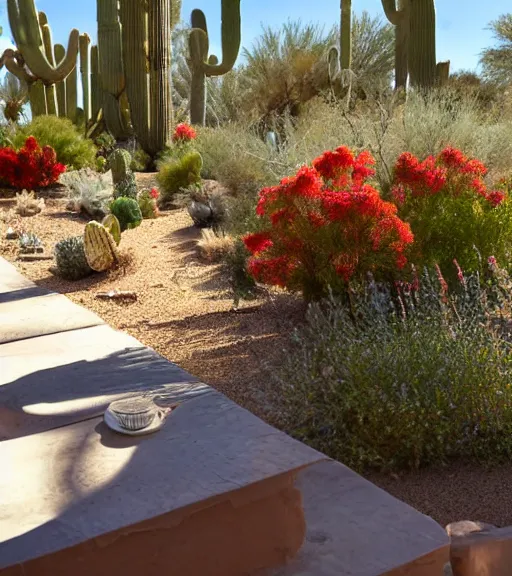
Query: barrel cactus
(70,259)
(100,247)
(127,211)
(111,223)
(122,175)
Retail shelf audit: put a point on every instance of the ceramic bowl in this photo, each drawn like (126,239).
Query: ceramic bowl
(134,413)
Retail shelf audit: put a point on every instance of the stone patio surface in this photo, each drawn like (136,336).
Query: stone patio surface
(216,492)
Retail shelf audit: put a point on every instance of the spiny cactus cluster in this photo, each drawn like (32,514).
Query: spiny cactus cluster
(122,175)
(70,258)
(127,211)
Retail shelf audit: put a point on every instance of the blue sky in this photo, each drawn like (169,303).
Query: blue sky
(461,24)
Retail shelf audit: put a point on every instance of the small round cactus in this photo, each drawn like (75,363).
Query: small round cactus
(70,259)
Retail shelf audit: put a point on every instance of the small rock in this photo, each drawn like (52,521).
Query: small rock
(11,234)
(465,527)
(447,570)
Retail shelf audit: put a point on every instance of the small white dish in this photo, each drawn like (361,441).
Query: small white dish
(157,423)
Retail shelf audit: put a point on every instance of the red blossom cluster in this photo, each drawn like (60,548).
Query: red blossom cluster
(326,225)
(154,193)
(183,133)
(450,172)
(31,167)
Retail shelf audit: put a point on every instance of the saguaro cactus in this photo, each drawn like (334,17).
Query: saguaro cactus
(95,84)
(397,12)
(33,61)
(111,66)
(84,72)
(25,28)
(202,65)
(422,44)
(60,87)
(146,38)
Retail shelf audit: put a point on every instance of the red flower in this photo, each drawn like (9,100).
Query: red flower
(496,197)
(31,167)
(154,193)
(258,242)
(183,133)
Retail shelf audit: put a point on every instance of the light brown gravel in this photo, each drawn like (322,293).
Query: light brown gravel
(184,311)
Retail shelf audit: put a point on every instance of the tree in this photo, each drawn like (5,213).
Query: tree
(497,61)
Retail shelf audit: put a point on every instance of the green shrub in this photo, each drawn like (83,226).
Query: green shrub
(71,147)
(126,188)
(451,210)
(175,175)
(127,211)
(403,380)
(242,283)
(140,160)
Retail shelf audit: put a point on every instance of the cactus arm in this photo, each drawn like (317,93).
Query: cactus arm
(84,71)
(231,30)
(24,22)
(391,11)
(198,49)
(59,53)
(46,34)
(71,96)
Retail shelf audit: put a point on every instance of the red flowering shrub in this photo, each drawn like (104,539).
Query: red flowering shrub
(451,210)
(326,226)
(183,133)
(31,167)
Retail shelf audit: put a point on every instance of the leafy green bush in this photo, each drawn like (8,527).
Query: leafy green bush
(235,262)
(403,379)
(127,211)
(451,210)
(174,175)
(71,147)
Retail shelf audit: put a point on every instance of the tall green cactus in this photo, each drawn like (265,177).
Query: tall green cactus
(202,65)
(46,34)
(95,84)
(84,72)
(422,45)
(397,12)
(346,35)
(146,38)
(24,22)
(111,66)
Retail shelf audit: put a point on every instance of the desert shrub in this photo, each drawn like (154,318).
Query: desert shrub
(326,227)
(235,264)
(72,148)
(147,203)
(450,210)
(374,387)
(126,188)
(27,204)
(90,192)
(236,158)
(30,167)
(176,174)
(105,144)
(214,246)
(70,259)
(140,160)
(127,211)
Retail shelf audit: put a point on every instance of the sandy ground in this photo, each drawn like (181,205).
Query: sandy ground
(185,311)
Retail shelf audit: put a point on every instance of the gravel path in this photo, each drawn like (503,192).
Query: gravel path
(184,311)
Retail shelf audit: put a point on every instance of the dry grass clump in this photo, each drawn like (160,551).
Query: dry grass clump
(27,204)
(213,247)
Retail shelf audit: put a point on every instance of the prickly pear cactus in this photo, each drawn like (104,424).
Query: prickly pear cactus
(70,259)
(100,247)
(111,223)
